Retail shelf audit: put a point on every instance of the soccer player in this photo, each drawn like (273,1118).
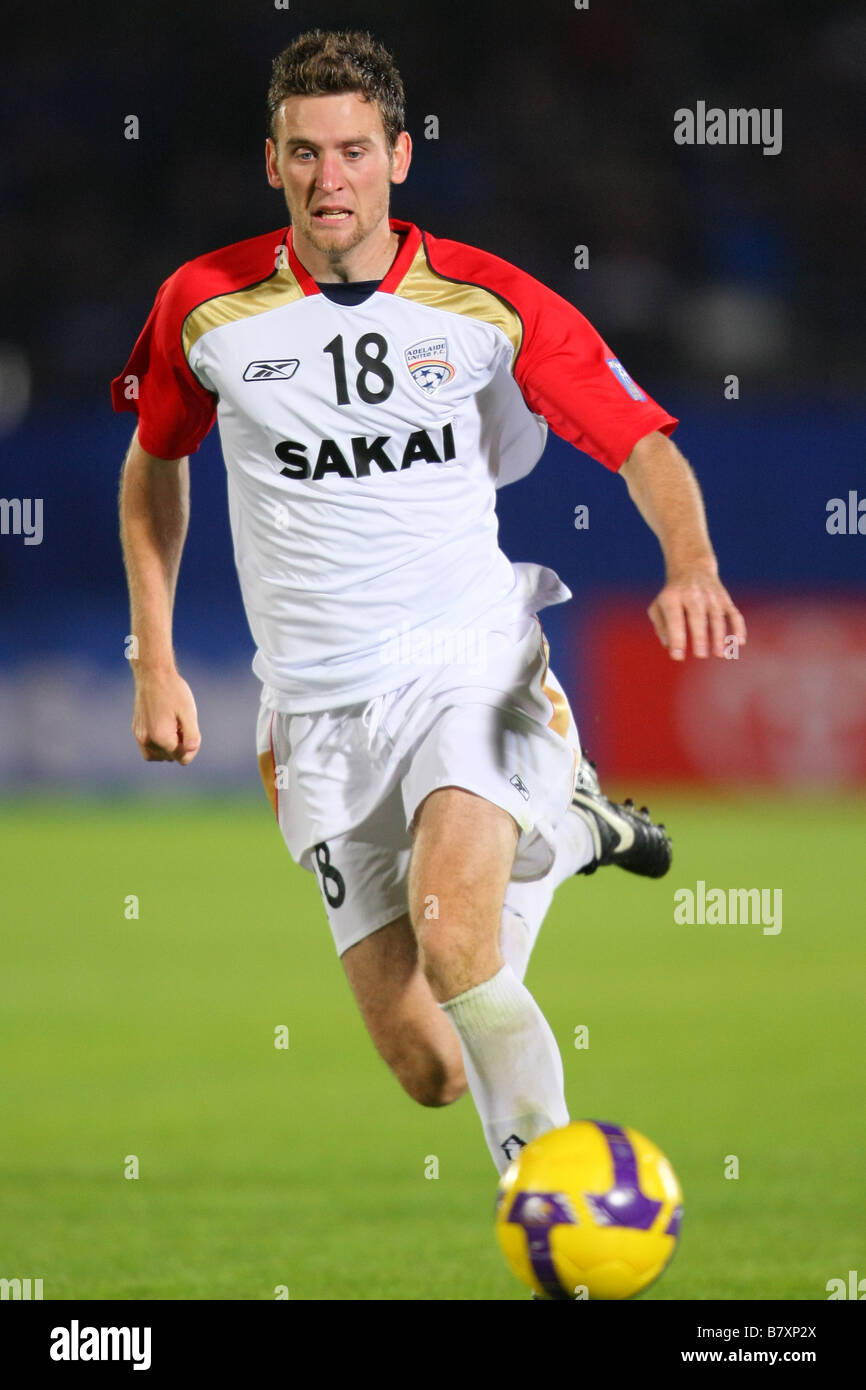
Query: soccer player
(374,385)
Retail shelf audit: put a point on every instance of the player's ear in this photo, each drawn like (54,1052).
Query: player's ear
(273,172)
(401,157)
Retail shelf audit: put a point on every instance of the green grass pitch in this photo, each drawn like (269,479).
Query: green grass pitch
(305,1167)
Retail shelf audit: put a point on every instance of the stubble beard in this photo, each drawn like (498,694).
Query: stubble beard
(336,252)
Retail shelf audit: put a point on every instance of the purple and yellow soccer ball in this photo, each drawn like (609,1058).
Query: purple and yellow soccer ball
(592,1210)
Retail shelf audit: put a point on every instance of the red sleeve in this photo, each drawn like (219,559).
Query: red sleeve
(174,410)
(564,368)
(568,374)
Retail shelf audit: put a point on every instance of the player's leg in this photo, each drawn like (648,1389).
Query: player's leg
(483,772)
(362,877)
(410,1031)
(358,878)
(595,833)
(462,855)
(363,881)
(462,859)
(412,1034)
(527,902)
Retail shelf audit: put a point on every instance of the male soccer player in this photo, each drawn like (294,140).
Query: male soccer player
(374,385)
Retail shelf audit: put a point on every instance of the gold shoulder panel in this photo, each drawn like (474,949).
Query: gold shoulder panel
(423,284)
(279,289)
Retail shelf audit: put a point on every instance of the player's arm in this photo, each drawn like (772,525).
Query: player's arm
(569,376)
(154,516)
(693,601)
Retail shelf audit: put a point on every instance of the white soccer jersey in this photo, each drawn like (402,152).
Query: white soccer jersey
(364,444)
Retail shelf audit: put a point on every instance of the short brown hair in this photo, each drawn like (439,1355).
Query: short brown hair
(319,63)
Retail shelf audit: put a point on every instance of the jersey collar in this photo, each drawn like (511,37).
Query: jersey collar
(399,266)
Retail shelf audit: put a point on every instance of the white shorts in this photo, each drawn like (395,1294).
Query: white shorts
(345,784)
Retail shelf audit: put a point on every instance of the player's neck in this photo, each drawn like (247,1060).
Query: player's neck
(370,260)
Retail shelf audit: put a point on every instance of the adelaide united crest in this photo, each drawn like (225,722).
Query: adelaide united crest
(428,364)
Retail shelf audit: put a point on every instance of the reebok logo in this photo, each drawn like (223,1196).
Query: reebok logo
(279,370)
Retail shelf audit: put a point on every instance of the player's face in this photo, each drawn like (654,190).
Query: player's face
(332,159)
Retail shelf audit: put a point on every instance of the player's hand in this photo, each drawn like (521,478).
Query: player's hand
(164,720)
(695,605)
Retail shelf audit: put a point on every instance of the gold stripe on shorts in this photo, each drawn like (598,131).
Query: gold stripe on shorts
(561,709)
(268,771)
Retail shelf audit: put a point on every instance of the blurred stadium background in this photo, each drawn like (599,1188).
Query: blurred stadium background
(554,131)
(703,262)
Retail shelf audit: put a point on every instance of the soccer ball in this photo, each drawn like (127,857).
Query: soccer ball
(592,1210)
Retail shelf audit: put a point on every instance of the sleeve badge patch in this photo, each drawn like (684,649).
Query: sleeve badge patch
(624,379)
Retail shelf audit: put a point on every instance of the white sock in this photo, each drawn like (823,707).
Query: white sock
(512,1063)
(526,904)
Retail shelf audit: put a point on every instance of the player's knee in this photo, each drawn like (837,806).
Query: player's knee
(435,1086)
(435,1094)
(451,958)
